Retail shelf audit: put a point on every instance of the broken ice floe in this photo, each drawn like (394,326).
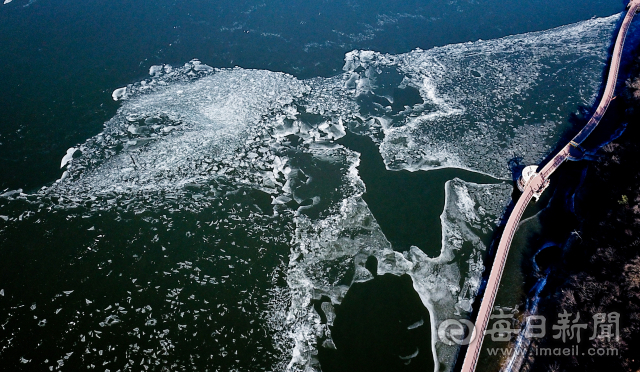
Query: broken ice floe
(119,93)
(68,157)
(416,324)
(471,211)
(486,101)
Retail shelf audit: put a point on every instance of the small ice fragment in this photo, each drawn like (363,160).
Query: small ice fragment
(10,193)
(68,157)
(119,93)
(67,292)
(65,174)
(151,322)
(6,218)
(88,302)
(281,200)
(329,312)
(111,320)
(202,67)
(416,324)
(155,70)
(324,127)
(7,1)
(328,344)
(2,292)
(415,354)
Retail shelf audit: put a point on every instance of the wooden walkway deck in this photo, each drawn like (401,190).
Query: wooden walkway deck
(536,185)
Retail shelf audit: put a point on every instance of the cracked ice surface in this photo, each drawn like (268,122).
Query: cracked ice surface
(486,101)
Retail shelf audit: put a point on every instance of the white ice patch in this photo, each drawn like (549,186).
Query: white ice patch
(119,93)
(350,236)
(411,356)
(214,119)
(465,204)
(11,193)
(417,324)
(67,157)
(155,70)
(486,101)
(471,211)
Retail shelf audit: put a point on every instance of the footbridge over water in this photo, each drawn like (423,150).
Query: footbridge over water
(537,181)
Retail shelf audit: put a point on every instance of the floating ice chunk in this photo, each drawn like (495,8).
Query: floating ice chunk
(133,129)
(7,1)
(11,193)
(328,344)
(415,354)
(465,304)
(155,70)
(151,322)
(67,157)
(6,218)
(202,67)
(119,93)
(362,275)
(480,125)
(324,127)
(110,320)
(465,204)
(2,292)
(338,130)
(416,324)
(65,174)
(329,312)
(282,199)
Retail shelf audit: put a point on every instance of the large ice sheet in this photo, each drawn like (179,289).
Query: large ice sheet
(324,250)
(488,101)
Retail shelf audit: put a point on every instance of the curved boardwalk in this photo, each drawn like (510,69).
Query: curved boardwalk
(535,186)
